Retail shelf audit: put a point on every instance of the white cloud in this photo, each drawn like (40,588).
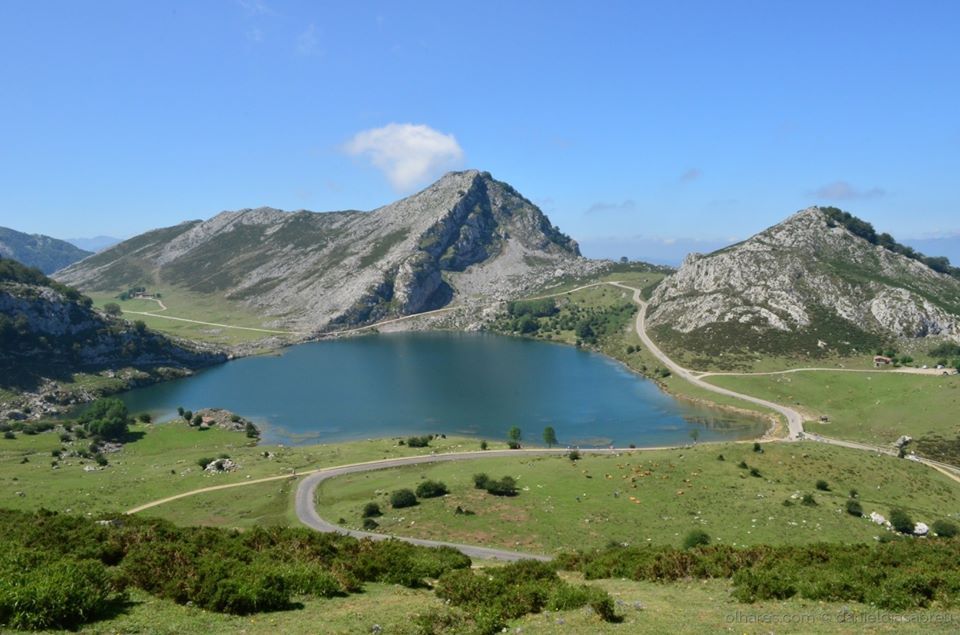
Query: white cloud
(255,7)
(602,207)
(307,41)
(844,191)
(408,154)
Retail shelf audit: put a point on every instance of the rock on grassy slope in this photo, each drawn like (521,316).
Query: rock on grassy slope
(467,235)
(821,280)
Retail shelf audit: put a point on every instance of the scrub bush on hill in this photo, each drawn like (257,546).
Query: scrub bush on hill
(895,575)
(59,571)
(514,590)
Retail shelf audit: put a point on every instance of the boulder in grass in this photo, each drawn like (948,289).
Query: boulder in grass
(920,529)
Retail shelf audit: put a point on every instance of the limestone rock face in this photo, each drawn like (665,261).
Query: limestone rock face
(466,236)
(801,272)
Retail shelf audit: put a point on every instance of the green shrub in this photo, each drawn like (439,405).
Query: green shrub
(483,445)
(370,524)
(370,510)
(62,594)
(757,447)
(480,480)
(945,528)
(506,486)
(403,498)
(854,508)
(574,455)
(823,486)
(431,489)
(901,521)
(204,462)
(755,472)
(696,538)
(808,500)
(418,442)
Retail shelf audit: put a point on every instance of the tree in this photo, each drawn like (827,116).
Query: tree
(197,419)
(624,260)
(112,308)
(483,445)
(514,434)
(550,436)
(187,415)
(107,418)
(144,417)
(140,326)
(695,434)
(403,498)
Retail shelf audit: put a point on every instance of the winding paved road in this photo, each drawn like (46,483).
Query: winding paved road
(306,489)
(794,418)
(307,510)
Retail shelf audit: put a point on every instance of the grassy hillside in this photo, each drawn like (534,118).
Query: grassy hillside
(653,497)
(872,407)
(186,305)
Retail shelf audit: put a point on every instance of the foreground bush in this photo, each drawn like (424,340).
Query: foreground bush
(505,593)
(75,569)
(62,594)
(895,575)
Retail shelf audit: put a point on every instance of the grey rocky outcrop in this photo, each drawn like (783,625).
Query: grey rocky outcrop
(789,276)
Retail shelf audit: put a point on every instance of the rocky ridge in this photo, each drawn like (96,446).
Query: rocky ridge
(801,274)
(467,236)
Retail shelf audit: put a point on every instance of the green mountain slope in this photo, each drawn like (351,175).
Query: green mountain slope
(35,250)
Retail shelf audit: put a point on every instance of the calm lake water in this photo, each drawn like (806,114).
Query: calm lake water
(454,383)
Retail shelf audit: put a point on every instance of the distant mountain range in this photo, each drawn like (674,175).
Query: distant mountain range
(466,236)
(820,281)
(97,243)
(36,250)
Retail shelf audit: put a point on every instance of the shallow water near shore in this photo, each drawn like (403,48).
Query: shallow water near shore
(474,384)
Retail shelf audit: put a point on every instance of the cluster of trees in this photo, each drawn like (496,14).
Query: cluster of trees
(107,419)
(865,230)
(515,436)
(133,292)
(547,318)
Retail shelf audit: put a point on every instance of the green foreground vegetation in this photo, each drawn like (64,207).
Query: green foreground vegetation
(732,504)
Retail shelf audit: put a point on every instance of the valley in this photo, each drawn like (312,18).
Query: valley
(747,431)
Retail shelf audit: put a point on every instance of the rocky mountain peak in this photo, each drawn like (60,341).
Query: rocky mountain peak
(820,270)
(467,235)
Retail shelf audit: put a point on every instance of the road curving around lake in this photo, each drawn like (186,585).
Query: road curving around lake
(794,418)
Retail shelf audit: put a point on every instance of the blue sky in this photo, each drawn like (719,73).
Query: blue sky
(637,126)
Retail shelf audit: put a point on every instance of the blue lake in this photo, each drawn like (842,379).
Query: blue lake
(454,383)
